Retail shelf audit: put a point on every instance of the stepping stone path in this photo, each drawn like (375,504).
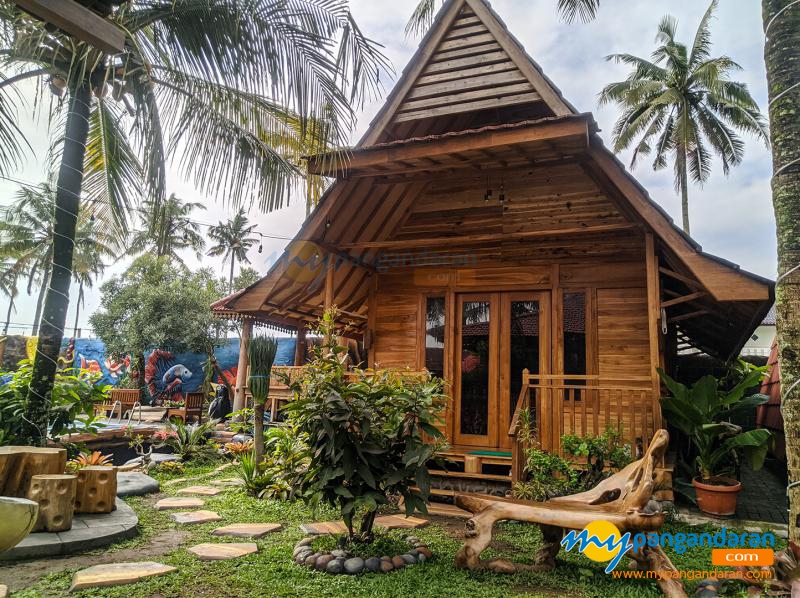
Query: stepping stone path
(179,503)
(201,490)
(134,483)
(117,574)
(386,522)
(223,552)
(191,517)
(229,482)
(247,530)
(3,591)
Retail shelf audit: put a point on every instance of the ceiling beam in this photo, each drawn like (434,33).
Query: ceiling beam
(79,22)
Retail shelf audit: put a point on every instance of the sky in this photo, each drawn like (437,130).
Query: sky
(731,216)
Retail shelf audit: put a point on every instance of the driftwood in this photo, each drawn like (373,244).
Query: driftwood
(55,495)
(18,464)
(97,489)
(624,499)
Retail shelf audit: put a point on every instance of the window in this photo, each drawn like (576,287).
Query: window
(574,326)
(434,335)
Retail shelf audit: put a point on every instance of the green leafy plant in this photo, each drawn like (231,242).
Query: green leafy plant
(171,467)
(548,476)
(190,441)
(87,459)
(241,421)
(236,449)
(252,476)
(365,433)
(606,451)
(702,413)
(74,396)
(261,352)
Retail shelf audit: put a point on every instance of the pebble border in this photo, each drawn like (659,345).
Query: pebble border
(340,561)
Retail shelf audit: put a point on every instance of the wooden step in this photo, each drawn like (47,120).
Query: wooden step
(477,476)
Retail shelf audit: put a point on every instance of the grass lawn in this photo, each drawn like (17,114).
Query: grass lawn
(271,572)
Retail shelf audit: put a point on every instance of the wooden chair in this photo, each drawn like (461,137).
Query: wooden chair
(127,398)
(624,499)
(192,408)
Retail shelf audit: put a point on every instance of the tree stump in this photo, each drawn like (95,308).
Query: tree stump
(97,489)
(56,497)
(18,464)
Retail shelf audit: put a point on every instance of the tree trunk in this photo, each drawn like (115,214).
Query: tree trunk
(684,193)
(258,431)
(230,279)
(77,310)
(8,313)
(40,301)
(56,302)
(782,58)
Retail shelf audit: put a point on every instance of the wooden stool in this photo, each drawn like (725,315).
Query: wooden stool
(97,489)
(55,495)
(18,464)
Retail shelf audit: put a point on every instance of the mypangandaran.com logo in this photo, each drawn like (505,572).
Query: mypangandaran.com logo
(602,541)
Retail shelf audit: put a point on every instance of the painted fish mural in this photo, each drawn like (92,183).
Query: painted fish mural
(161,367)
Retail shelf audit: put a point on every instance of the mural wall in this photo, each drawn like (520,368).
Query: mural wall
(167,373)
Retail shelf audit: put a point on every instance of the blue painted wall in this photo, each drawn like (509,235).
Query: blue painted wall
(93,352)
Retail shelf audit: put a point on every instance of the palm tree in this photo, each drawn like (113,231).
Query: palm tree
(235,91)
(680,105)
(8,286)
(233,241)
(167,228)
(26,235)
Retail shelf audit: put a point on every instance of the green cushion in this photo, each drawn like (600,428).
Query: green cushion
(490,453)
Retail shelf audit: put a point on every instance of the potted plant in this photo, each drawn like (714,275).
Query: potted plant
(703,412)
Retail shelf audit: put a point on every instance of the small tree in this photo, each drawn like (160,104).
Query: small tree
(157,303)
(261,353)
(365,432)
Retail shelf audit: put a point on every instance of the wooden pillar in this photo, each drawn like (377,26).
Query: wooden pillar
(300,347)
(241,372)
(653,321)
(329,280)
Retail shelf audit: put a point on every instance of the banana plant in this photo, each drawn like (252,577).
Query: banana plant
(703,412)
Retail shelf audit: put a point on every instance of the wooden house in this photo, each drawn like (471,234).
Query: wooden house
(481,230)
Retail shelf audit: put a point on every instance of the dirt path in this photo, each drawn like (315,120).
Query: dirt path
(19,576)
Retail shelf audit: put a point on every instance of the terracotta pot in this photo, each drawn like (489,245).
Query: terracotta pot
(717,496)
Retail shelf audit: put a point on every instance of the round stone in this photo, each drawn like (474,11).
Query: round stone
(354,566)
(299,549)
(340,554)
(386,566)
(421,558)
(386,558)
(301,557)
(322,562)
(412,539)
(410,559)
(305,542)
(335,566)
(398,562)
(425,551)
(311,560)
(373,564)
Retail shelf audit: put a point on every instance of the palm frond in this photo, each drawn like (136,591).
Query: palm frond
(701,48)
(422,18)
(571,10)
(13,142)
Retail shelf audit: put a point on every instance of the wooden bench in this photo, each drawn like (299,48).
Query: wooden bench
(192,408)
(624,499)
(127,398)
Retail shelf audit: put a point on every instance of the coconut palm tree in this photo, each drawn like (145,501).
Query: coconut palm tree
(167,228)
(8,286)
(233,240)
(235,91)
(681,106)
(26,238)
(94,244)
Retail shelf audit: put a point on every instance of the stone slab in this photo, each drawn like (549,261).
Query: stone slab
(135,483)
(179,503)
(3,591)
(399,522)
(89,531)
(223,552)
(201,490)
(116,574)
(247,530)
(229,482)
(319,528)
(192,517)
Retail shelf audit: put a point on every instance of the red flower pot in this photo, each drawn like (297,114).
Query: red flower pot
(717,496)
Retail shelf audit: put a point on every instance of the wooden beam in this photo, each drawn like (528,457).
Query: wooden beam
(689,282)
(300,345)
(653,316)
(79,22)
(683,299)
(484,238)
(329,287)
(241,371)
(339,162)
(689,316)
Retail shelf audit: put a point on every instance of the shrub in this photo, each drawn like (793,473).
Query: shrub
(74,396)
(365,433)
(189,441)
(89,460)
(606,450)
(548,476)
(236,449)
(278,475)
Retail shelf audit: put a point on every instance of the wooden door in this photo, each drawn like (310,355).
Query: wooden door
(476,369)
(525,343)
